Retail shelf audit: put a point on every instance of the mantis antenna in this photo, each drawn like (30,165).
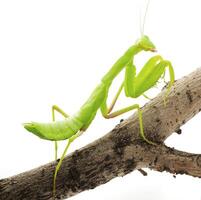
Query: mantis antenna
(142,22)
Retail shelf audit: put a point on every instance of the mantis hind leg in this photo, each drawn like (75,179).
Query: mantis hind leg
(59,110)
(70,140)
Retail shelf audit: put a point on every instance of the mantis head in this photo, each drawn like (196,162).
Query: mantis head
(145,44)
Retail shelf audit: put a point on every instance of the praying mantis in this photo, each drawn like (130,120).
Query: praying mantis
(133,84)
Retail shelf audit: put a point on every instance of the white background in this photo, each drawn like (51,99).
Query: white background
(55,52)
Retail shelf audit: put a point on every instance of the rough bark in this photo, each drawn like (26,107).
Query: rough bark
(120,151)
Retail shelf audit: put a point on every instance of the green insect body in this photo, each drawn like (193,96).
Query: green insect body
(62,130)
(55,131)
(134,86)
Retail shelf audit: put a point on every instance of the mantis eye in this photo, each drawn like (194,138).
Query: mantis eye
(146,44)
(153,50)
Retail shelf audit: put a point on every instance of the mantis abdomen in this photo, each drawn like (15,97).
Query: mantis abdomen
(58,130)
(62,130)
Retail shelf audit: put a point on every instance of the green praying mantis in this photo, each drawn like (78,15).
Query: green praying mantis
(134,85)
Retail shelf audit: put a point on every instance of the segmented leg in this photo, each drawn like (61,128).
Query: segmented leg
(115,98)
(172,77)
(163,77)
(70,140)
(127,109)
(104,108)
(145,96)
(147,78)
(135,86)
(106,112)
(149,75)
(59,110)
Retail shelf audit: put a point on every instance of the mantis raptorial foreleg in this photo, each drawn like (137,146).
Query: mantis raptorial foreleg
(147,78)
(145,96)
(171,74)
(59,110)
(163,77)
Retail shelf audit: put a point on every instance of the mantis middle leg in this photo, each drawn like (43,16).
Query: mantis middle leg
(115,98)
(127,109)
(106,112)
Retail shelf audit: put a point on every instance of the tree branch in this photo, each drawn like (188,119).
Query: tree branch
(177,162)
(121,150)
